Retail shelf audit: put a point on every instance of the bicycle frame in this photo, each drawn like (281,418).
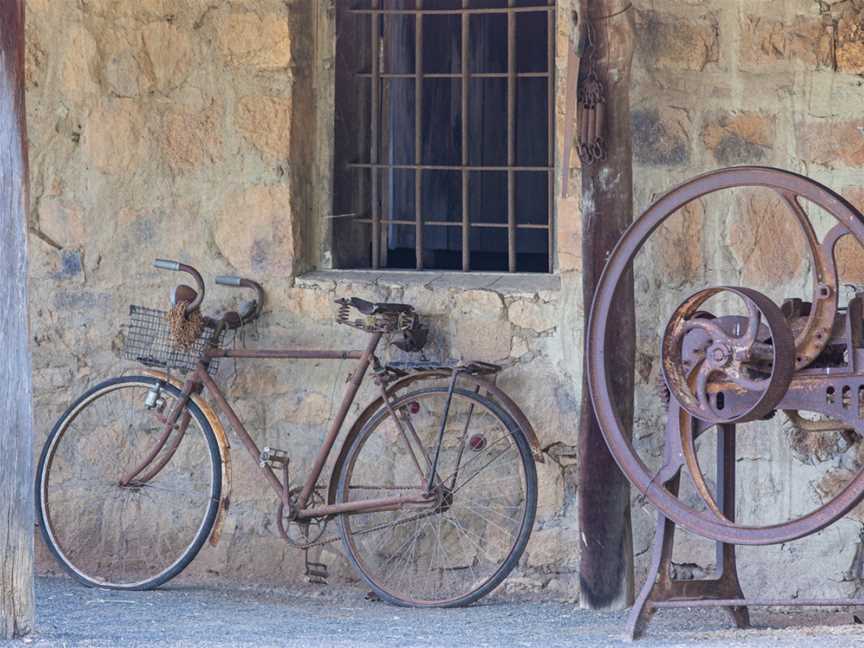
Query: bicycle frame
(200,378)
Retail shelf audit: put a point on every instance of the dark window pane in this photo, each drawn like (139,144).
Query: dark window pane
(442,122)
(398,121)
(487,201)
(488,43)
(442,4)
(442,196)
(488,249)
(532,53)
(442,247)
(400,247)
(487,122)
(442,43)
(399,45)
(532,144)
(487,4)
(397,194)
(532,250)
(532,197)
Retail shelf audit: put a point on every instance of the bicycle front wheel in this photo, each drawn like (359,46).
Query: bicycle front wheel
(459,550)
(138,535)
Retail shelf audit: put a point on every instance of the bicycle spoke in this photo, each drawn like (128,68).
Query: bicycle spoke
(121,536)
(466,540)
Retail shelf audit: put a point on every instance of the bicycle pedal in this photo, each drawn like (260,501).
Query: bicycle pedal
(316,573)
(273,457)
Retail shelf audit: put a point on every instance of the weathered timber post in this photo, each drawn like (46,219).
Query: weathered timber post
(16,444)
(606,564)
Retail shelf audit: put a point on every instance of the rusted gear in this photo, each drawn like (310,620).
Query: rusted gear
(760,370)
(813,332)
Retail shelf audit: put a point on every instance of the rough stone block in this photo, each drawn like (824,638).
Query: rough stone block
(79,61)
(120,72)
(677,43)
(255,232)
(169,52)
(61,222)
(767,43)
(265,123)
(192,139)
(832,143)
(246,39)
(739,137)
(678,244)
(661,136)
(113,137)
(850,44)
(766,240)
(849,254)
(533,315)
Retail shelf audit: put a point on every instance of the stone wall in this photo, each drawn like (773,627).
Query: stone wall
(199,130)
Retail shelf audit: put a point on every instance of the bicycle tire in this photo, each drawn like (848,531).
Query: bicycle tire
(515,550)
(49,529)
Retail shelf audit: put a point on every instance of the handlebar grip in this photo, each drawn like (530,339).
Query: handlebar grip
(165,264)
(228,281)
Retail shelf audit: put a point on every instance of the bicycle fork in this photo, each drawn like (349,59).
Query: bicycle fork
(178,413)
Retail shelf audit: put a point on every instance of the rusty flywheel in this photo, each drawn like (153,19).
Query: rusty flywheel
(737,368)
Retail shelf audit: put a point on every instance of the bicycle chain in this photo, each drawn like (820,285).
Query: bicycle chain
(383,525)
(378,527)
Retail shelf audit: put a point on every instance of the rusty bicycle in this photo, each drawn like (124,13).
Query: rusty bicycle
(434,487)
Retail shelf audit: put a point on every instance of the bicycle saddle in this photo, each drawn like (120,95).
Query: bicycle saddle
(370,308)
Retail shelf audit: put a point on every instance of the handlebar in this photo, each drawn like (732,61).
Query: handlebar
(248,312)
(176,266)
(256,306)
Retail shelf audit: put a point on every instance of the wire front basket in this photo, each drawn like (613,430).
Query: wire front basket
(149,341)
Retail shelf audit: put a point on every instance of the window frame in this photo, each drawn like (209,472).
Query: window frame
(357,235)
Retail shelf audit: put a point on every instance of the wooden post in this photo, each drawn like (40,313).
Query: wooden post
(16,443)
(606,562)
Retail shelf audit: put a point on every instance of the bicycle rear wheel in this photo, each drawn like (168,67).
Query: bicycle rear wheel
(458,551)
(127,537)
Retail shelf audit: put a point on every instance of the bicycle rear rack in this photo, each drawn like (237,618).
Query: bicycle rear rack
(473,368)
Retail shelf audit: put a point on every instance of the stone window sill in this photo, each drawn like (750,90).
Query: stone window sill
(503,283)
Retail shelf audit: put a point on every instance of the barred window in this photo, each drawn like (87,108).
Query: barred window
(444,148)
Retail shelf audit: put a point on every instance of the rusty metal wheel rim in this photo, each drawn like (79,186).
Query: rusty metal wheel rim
(730,355)
(807,347)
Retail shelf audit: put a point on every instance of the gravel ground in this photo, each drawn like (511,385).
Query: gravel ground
(312,616)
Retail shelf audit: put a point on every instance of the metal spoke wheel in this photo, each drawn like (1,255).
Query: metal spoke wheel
(461,546)
(702,357)
(138,535)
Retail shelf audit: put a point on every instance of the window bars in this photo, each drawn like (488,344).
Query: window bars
(379,11)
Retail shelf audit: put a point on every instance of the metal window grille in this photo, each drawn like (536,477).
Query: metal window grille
(379,168)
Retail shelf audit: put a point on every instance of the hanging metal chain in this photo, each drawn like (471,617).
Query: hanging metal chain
(591,106)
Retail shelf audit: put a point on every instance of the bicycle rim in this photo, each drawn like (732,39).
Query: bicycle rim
(132,537)
(458,551)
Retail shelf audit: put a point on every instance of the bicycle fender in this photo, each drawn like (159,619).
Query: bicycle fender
(224,449)
(495,392)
